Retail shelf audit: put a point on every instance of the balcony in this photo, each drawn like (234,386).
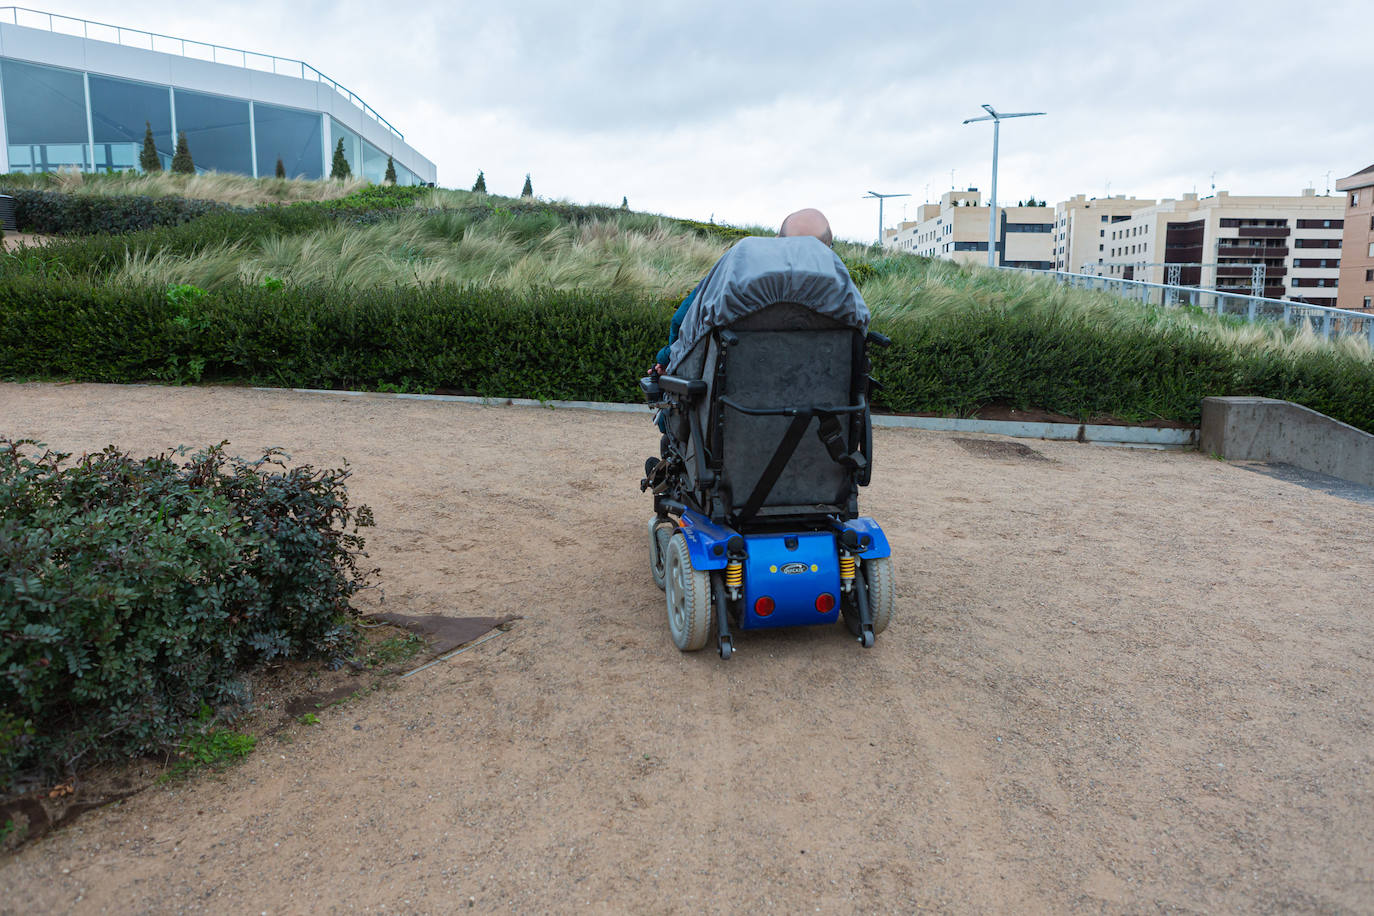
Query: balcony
(1263,232)
(1242,271)
(1249,251)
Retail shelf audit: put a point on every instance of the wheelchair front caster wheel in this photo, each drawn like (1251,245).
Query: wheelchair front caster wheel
(866,639)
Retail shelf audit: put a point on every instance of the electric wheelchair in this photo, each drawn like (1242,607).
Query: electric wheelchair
(764,407)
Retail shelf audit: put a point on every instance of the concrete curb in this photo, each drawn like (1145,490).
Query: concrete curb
(1267,429)
(1088,433)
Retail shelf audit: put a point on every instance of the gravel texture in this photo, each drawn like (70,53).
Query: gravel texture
(1117,680)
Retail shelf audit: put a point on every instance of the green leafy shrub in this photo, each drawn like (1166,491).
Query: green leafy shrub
(719,231)
(55,213)
(591,345)
(135,591)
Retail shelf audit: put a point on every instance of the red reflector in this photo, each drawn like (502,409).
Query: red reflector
(825,602)
(764,606)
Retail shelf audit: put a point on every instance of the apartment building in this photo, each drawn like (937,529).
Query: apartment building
(1356,289)
(956,229)
(1081,226)
(1218,241)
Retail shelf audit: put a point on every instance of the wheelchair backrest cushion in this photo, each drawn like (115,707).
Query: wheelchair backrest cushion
(760,272)
(785,368)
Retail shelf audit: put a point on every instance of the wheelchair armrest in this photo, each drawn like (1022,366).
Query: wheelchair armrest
(690,388)
(881,341)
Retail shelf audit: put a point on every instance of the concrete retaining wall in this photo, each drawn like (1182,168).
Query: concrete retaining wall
(1265,429)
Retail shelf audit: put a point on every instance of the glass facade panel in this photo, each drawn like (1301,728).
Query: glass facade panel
(216,130)
(290,135)
(45,117)
(374,164)
(120,112)
(352,146)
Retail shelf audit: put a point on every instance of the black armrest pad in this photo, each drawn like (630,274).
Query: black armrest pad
(691,388)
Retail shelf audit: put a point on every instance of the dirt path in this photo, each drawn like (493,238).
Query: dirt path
(1117,680)
(15,239)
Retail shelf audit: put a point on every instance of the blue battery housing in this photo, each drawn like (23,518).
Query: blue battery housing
(793,570)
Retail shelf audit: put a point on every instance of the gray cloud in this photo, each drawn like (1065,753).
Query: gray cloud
(743,109)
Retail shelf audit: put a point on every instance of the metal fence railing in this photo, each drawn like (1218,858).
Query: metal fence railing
(184,47)
(1320,319)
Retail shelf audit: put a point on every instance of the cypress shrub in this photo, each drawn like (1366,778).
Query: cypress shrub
(148,159)
(339,167)
(181,160)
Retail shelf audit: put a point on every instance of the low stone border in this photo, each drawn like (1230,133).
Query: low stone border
(1091,434)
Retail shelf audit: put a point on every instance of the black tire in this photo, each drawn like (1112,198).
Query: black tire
(660,530)
(688,595)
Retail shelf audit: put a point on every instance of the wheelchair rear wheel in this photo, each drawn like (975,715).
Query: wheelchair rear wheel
(876,575)
(882,591)
(688,594)
(660,530)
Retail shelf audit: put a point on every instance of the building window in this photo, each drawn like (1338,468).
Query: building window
(1369,276)
(1104,217)
(291,136)
(45,117)
(216,130)
(121,111)
(1354,198)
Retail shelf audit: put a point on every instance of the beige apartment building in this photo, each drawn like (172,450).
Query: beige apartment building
(956,229)
(1081,227)
(1217,241)
(1357,250)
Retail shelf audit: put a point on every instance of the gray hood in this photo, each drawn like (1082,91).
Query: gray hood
(759,272)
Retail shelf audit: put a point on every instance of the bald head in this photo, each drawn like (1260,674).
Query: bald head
(807,222)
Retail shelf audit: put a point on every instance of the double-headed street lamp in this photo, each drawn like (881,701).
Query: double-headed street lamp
(996,118)
(881,198)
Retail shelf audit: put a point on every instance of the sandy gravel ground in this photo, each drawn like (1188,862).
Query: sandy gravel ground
(1118,681)
(15,239)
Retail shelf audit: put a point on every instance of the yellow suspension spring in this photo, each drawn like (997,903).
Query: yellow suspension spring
(846,567)
(734,574)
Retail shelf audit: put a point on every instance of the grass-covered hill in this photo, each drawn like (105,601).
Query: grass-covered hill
(330,284)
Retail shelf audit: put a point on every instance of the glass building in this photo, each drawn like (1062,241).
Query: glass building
(70,99)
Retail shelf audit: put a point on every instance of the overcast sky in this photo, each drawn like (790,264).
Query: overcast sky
(746,110)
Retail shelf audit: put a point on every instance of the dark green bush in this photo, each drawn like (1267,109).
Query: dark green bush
(583,345)
(55,213)
(133,591)
(545,343)
(97,254)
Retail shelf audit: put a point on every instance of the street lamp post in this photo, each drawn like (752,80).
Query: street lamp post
(996,117)
(881,198)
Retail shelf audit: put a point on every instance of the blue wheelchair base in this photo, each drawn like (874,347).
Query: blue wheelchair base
(789,578)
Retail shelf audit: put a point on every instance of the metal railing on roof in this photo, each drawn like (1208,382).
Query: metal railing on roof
(184,47)
(1320,319)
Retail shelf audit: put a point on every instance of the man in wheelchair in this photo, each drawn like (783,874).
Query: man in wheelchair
(763,401)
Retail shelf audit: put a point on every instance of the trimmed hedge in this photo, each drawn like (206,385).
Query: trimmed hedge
(55,213)
(97,254)
(544,344)
(581,345)
(133,592)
